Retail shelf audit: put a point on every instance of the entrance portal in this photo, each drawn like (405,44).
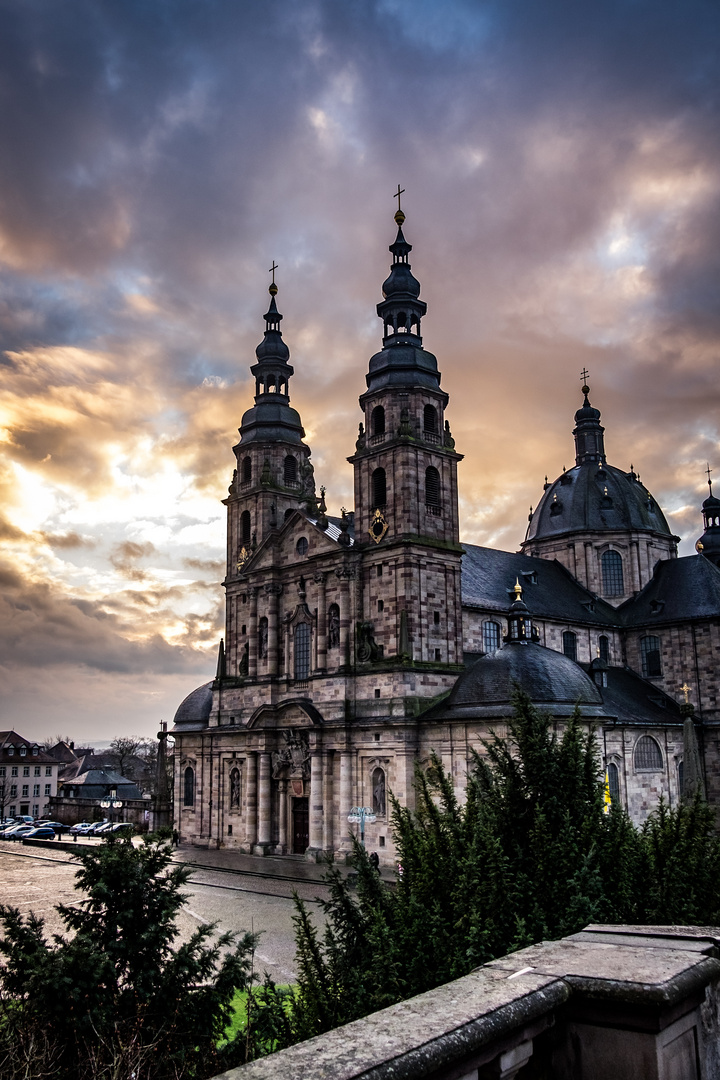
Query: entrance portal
(301,826)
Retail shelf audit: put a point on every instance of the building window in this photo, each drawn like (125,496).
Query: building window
(12,812)
(26,770)
(235,789)
(48,789)
(245,527)
(25,791)
(650,655)
(36,791)
(612,574)
(2,771)
(491,636)
(378,792)
(613,781)
(430,419)
(570,644)
(377,420)
(302,652)
(48,770)
(379,489)
(37,770)
(246,470)
(302,545)
(23,751)
(333,634)
(432,488)
(604,648)
(381,605)
(13,791)
(189,787)
(648,755)
(14,770)
(290,471)
(36,809)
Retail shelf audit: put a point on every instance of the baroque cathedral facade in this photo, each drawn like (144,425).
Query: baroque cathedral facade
(357,647)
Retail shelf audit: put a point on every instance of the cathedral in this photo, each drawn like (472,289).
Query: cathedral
(357,647)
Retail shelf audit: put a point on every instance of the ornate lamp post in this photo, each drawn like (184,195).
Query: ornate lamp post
(111,803)
(358,816)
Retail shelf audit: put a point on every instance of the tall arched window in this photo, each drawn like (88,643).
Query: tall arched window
(570,644)
(247,470)
(377,421)
(235,789)
(491,636)
(302,652)
(432,488)
(290,470)
(612,573)
(189,787)
(430,419)
(650,655)
(613,781)
(245,526)
(604,648)
(378,791)
(648,755)
(263,638)
(379,489)
(333,627)
(681,777)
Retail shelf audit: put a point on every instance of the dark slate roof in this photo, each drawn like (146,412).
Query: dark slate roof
(636,701)
(194,711)
(583,507)
(97,782)
(13,739)
(550,678)
(687,588)
(488,575)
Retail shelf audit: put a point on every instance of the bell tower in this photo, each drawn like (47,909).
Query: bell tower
(274,474)
(405,468)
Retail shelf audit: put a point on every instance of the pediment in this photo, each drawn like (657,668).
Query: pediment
(288,714)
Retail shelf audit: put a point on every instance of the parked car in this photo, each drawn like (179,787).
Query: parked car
(24,819)
(6,832)
(19,832)
(98,828)
(124,828)
(40,832)
(82,827)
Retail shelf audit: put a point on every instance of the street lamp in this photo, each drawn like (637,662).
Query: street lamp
(358,816)
(111,804)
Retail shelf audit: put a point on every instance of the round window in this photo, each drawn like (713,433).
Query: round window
(302,545)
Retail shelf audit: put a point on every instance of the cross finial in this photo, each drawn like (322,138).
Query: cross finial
(399,216)
(400,191)
(686,691)
(272,270)
(585,375)
(708,470)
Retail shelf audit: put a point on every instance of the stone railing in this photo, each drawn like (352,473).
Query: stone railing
(611,1002)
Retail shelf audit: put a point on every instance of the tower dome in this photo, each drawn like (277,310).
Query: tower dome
(599,521)
(709,543)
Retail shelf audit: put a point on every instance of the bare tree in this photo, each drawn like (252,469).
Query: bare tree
(125,748)
(53,740)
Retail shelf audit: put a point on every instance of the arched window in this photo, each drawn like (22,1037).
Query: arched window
(245,526)
(189,787)
(288,513)
(491,636)
(377,421)
(262,638)
(613,781)
(570,644)
(650,655)
(612,573)
(290,470)
(270,384)
(333,629)
(246,470)
(378,792)
(681,776)
(302,652)
(432,488)
(648,755)
(235,789)
(379,489)
(430,419)
(604,647)
(402,322)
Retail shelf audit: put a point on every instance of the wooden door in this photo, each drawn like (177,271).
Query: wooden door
(301,826)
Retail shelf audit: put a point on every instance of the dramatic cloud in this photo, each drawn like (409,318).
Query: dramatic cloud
(562,173)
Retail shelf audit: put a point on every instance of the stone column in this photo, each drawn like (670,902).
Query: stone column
(321,635)
(328,801)
(316,805)
(264,805)
(282,818)
(273,592)
(253,638)
(346,799)
(288,668)
(251,801)
(344,574)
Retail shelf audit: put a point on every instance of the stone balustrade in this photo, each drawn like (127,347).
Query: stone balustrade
(608,1003)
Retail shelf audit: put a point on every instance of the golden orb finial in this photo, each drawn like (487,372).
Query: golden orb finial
(399,218)
(517,590)
(699,547)
(273,289)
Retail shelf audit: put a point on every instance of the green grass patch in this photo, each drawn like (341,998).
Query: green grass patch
(239,1007)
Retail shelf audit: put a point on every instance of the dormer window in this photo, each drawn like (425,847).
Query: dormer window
(35,750)
(23,751)
(11,751)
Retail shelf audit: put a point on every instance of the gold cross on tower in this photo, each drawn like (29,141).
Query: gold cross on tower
(686,691)
(399,216)
(273,288)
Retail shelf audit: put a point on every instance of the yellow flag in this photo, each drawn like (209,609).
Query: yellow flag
(606,795)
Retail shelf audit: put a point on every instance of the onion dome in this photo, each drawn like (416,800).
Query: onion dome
(402,362)
(709,543)
(271,418)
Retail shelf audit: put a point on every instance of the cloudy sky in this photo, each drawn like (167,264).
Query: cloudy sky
(562,175)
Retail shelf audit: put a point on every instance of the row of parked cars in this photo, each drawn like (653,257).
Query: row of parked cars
(49,830)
